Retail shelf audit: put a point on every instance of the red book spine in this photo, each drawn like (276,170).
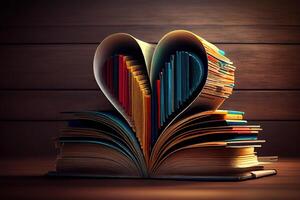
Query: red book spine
(212,59)
(125,71)
(124,82)
(158,102)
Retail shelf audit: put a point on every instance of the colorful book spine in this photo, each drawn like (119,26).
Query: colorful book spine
(127,81)
(162,98)
(178,79)
(183,75)
(187,75)
(175,84)
(172,83)
(169,83)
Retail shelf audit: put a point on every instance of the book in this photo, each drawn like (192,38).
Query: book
(167,122)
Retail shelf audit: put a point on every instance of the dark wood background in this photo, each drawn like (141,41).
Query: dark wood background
(47,49)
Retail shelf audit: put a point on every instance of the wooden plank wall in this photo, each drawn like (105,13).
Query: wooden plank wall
(47,48)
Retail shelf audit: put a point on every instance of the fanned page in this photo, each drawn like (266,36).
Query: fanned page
(169,125)
(99,143)
(209,143)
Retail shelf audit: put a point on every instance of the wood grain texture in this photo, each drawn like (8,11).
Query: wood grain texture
(23,139)
(265,105)
(259,66)
(47,105)
(46,55)
(282,138)
(24,179)
(47,49)
(47,67)
(270,34)
(135,12)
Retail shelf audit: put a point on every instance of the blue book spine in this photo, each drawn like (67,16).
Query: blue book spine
(178,78)
(165,92)
(172,83)
(162,97)
(166,83)
(192,73)
(183,76)
(173,58)
(169,89)
(188,92)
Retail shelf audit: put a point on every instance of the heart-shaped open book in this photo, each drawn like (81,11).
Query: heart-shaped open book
(166,123)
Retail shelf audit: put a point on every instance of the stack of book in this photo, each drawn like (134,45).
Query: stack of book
(166,122)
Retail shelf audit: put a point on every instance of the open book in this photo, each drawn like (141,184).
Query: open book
(166,122)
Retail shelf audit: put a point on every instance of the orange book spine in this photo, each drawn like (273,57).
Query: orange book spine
(148,123)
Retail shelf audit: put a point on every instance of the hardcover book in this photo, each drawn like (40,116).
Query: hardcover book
(166,122)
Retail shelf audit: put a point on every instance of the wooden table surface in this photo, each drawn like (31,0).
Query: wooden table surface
(24,179)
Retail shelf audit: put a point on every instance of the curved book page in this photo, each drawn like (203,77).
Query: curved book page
(137,62)
(181,73)
(204,63)
(120,43)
